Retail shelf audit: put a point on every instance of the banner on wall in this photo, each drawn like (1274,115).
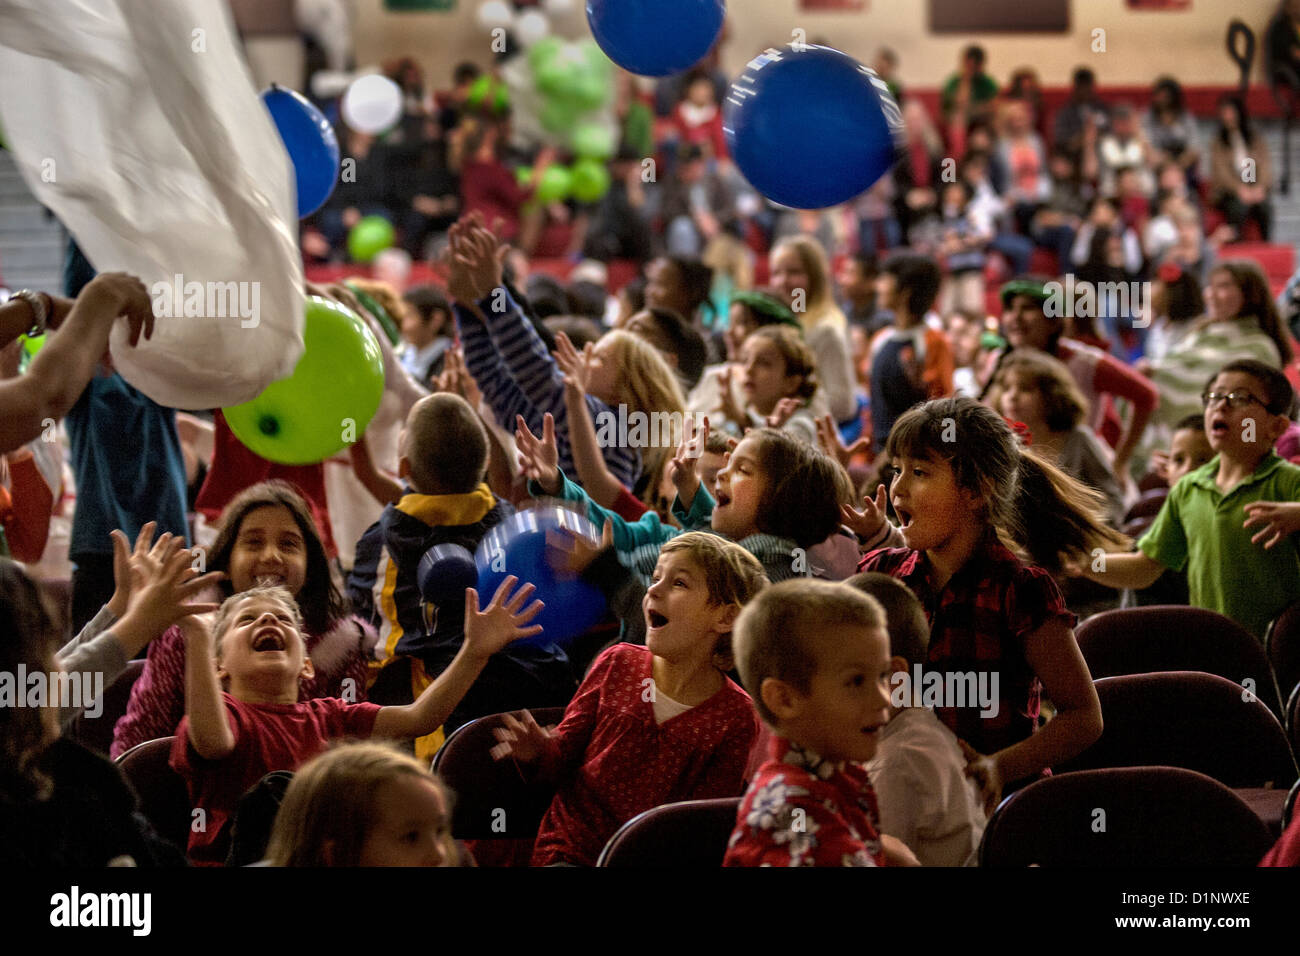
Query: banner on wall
(851,6)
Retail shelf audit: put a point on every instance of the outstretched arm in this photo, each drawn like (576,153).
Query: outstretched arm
(209,726)
(486,632)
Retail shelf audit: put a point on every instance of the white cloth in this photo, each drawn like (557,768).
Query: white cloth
(137,124)
(926,800)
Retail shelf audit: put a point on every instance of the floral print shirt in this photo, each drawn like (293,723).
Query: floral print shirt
(802,810)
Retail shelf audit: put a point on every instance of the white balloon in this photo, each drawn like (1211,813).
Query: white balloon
(531,27)
(495,13)
(372,104)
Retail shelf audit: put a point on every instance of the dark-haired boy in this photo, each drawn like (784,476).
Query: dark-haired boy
(1202,526)
(443,461)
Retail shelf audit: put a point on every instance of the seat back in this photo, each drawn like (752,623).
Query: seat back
(688,835)
(1170,637)
(163,797)
(1136,816)
(1282,646)
(1292,721)
(1192,720)
(96,733)
(1288,808)
(492,800)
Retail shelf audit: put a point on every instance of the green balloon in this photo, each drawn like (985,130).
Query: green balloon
(32,346)
(589,91)
(559,72)
(488,86)
(328,400)
(555,185)
(590,180)
(558,116)
(369,237)
(593,141)
(524,175)
(544,50)
(599,64)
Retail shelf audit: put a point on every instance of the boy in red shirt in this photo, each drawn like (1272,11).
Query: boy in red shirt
(228,740)
(814,656)
(649,725)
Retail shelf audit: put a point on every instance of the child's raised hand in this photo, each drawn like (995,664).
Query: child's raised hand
(456,259)
(784,411)
(984,771)
(525,740)
(124,574)
(1276,520)
(828,436)
(867,522)
(574,365)
(539,458)
(504,620)
(727,399)
(682,470)
(482,256)
(1160,463)
(571,553)
(165,582)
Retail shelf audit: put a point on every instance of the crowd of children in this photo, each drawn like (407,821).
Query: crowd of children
(743,454)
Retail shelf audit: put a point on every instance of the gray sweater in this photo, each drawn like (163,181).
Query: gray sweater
(94,650)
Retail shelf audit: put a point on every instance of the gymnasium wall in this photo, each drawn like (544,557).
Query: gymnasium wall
(1139,44)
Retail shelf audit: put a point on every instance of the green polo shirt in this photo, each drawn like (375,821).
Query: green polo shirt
(1199,530)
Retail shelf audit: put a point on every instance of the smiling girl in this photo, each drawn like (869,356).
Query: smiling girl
(267,537)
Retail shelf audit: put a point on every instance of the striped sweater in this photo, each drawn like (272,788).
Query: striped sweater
(1181,376)
(517,376)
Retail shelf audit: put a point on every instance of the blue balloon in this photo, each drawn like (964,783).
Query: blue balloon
(310,141)
(444,573)
(518,546)
(655,37)
(811,127)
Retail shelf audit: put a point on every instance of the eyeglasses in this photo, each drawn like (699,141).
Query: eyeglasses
(1238,398)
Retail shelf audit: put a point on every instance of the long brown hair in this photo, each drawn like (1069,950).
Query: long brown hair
(29,641)
(1032,504)
(1257,301)
(323,605)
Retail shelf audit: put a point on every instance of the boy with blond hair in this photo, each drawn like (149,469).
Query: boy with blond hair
(649,725)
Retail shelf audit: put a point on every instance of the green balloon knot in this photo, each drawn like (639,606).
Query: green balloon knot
(268,425)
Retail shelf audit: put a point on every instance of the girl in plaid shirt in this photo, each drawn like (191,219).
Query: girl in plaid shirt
(966,494)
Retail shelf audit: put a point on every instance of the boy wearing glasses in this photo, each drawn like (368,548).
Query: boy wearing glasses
(1204,526)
